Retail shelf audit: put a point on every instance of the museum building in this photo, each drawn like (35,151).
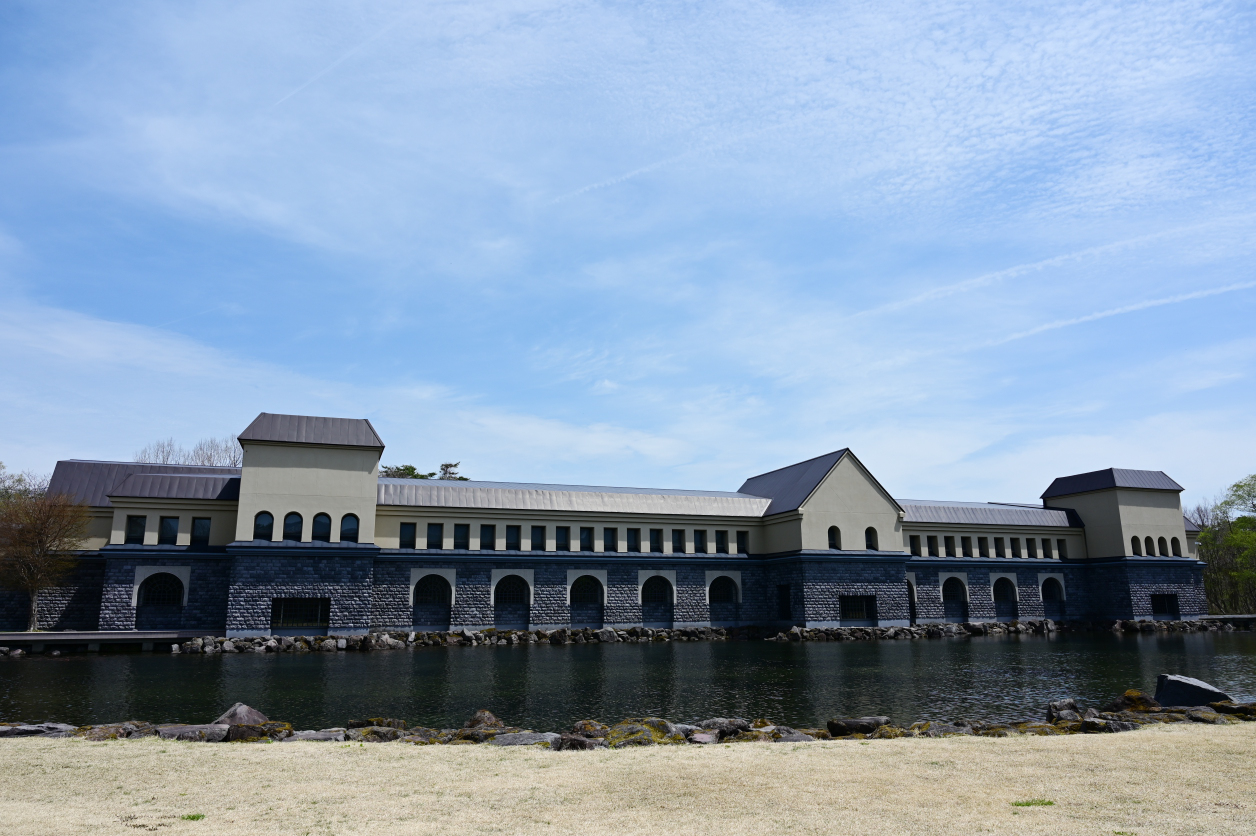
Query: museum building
(306,538)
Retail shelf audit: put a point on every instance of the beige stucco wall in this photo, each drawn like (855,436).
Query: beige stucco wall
(1113,516)
(281,478)
(222,516)
(850,499)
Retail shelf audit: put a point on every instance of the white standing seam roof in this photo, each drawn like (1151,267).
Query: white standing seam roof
(524,496)
(982,513)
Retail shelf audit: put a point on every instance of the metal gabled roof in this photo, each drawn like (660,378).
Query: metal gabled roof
(91,482)
(986,513)
(1113,477)
(311,429)
(526,496)
(789,487)
(178,486)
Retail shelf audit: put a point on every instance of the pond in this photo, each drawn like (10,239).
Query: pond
(548,687)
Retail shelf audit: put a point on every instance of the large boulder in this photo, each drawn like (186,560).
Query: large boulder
(840,727)
(1242,710)
(1063,710)
(258,731)
(373,734)
(241,714)
(575,742)
(546,739)
(330,735)
(726,726)
(643,731)
(208,733)
(590,729)
(1183,690)
(37,730)
(484,719)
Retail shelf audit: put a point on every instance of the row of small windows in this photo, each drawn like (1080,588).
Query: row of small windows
(585,590)
(167,530)
(1150,545)
(946,546)
(563,542)
(871,542)
(294,524)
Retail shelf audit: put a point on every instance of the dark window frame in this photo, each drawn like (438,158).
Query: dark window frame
(678,538)
(587,533)
(700,541)
(136,528)
(350,533)
(743,542)
(202,528)
(488,537)
(514,538)
(439,530)
(721,541)
(633,544)
(267,529)
(293,521)
(562,538)
(462,536)
(610,540)
(165,535)
(408,536)
(537,538)
(913,544)
(656,541)
(320,536)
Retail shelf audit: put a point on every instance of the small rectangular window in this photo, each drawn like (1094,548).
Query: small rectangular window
(1016,547)
(514,538)
(1046,548)
(966,546)
(1164,605)
(932,543)
(168,531)
(200,531)
(678,541)
(858,610)
(983,546)
(562,538)
(998,547)
(914,544)
(586,539)
(1061,549)
(436,535)
(1031,546)
(784,602)
(699,541)
(950,546)
(634,539)
(292,613)
(488,538)
(743,542)
(610,539)
(135,527)
(656,540)
(409,536)
(721,542)
(462,535)
(538,538)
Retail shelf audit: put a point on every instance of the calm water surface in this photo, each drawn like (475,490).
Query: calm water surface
(546,687)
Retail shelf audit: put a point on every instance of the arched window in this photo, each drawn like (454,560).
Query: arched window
(1004,590)
(835,537)
(161,590)
(511,589)
(723,590)
(321,528)
(264,526)
(1163,546)
(1151,547)
(586,590)
(1177,548)
(1136,545)
(657,590)
(292,526)
(870,539)
(349,528)
(955,600)
(1051,590)
(432,590)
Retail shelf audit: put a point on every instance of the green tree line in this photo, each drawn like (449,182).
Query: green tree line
(1227,544)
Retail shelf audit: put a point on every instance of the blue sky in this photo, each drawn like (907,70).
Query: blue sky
(666,244)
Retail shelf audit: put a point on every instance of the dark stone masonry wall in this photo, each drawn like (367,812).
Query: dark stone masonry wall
(231,593)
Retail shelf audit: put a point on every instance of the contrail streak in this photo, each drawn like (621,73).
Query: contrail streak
(338,61)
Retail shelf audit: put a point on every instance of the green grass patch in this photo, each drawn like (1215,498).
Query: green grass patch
(1034,802)
(192,816)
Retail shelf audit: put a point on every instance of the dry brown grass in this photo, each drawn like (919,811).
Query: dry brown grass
(1158,781)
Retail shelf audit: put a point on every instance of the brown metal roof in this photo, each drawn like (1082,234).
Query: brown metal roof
(1113,477)
(311,429)
(91,482)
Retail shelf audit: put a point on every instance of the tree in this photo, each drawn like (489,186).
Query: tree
(404,471)
(39,533)
(1227,545)
(449,470)
(211,452)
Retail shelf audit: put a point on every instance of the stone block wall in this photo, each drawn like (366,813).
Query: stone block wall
(73,605)
(257,579)
(205,610)
(825,582)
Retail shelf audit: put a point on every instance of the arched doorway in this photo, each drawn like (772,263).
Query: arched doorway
(588,602)
(955,600)
(724,609)
(433,603)
(657,603)
(512,601)
(1052,599)
(160,603)
(1005,604)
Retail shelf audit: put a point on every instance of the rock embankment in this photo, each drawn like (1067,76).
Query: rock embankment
(242,724)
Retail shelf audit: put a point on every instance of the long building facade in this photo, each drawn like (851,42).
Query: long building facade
(306,538)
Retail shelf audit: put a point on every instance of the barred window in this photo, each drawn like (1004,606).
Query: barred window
(723,590)
(586,590)
(161,590)
(511,589)
(432,589)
